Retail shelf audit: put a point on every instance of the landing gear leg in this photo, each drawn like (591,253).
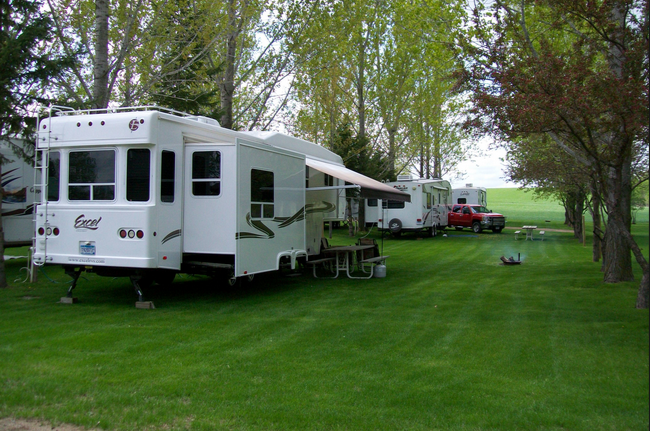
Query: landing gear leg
(138,281)
(68,298)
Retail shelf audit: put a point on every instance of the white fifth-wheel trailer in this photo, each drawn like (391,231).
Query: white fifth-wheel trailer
(426,211)
(470,195)
(147,193)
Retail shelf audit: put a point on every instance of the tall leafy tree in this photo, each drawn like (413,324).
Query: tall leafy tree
(26,70)
(576,71)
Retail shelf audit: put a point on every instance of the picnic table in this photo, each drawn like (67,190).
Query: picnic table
(529,231)
(345,257)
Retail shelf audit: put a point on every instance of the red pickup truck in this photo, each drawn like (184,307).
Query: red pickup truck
(476,217)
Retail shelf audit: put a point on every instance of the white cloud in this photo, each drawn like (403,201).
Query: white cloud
(486,171)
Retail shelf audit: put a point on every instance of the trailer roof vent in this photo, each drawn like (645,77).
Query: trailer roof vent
(407,177)
(205,120)
(469,185)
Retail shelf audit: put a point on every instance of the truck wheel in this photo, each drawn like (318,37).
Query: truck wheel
(497,229)
(476,227)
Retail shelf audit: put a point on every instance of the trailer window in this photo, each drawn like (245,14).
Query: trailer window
(206,173)
(53,176)
(372,202)
(91,175)
(138,163)
(262,194)
(167,176)
(392,205)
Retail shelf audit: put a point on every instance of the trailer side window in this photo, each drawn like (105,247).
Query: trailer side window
(392,205)
(372,202)
(138,164)
(167,176)
(91,175)
(206,173)
(262,194)
(53,176)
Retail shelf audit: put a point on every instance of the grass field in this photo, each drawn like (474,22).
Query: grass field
(449,340)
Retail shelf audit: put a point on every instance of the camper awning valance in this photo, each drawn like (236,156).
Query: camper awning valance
(370,189)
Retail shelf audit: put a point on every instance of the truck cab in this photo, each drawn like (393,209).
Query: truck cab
(476,217)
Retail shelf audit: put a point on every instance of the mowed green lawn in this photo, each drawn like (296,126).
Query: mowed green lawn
(449,340)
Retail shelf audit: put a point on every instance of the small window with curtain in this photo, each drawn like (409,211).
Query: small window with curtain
(167,176)
(53,176)
(138,165)
(206,173)
(262,194)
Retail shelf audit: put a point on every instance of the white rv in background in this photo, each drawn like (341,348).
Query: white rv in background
(147,193)
(427,210)
(470,195)
(18,197)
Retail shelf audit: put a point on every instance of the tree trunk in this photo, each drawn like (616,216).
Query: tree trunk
(227,85)
(100,71)
(596,204)
(642,300)
(617,257)
(3,276)
(361,87)
(391,152)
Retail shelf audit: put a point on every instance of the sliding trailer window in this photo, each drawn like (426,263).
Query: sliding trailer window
(206,173)
(262,194)
(138,165)
(91,175)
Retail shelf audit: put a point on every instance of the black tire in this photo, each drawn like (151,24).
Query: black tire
(476,227)
(497,229)
(164,277)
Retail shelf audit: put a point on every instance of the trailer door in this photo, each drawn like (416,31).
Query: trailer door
(169,203)
(210,199)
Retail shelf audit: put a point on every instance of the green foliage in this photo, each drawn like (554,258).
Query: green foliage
(26,68)
(358,155)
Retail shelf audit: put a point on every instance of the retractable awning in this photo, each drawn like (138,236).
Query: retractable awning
(370,189)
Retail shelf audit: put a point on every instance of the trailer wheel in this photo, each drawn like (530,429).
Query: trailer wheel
(476,227)
(164,277)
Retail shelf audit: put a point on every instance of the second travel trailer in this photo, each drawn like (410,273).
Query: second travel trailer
(470,195)
(426,211)
(18,196)
(147,193)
